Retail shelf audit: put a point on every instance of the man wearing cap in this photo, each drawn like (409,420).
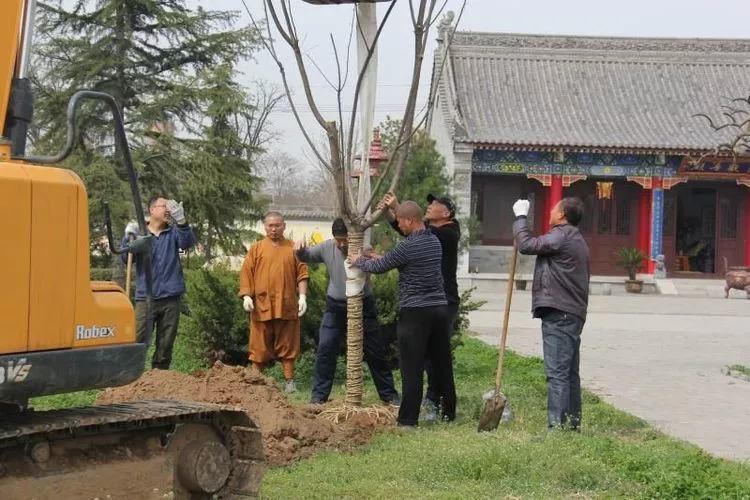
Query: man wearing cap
(333,253)
(440,220)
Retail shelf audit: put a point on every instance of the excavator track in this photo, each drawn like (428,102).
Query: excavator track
(183,450)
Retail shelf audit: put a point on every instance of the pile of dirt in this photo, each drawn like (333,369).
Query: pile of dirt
(289,432)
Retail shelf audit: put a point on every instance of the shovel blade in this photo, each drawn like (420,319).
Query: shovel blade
(492,412)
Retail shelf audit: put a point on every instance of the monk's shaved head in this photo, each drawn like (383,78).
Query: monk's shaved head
(409,210)
(274,224)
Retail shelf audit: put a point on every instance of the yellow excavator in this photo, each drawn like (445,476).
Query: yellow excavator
(60,332)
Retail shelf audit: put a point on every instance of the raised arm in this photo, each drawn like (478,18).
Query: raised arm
(185,237)
(312,255)
(546,244)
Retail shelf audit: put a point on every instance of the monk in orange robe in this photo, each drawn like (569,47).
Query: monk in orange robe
(270,278)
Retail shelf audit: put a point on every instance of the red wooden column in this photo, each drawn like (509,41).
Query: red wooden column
(555,191)
(747,227)
(644,221)
(546,181)
(554,195)
(645,215)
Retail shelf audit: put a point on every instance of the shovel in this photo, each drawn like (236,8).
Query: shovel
(494,401)
(129,272)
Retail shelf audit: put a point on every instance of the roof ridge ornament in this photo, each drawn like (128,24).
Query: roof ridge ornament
(445,28)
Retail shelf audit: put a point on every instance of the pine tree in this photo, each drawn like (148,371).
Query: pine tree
(425,167)
(155,58)
(221,165)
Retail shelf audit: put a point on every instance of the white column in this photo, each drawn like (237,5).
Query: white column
(462,154)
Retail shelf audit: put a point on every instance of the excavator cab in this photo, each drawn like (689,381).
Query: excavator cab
(60,332)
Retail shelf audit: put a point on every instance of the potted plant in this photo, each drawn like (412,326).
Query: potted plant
(631,259)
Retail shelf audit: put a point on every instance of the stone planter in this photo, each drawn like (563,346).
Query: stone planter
(633,286)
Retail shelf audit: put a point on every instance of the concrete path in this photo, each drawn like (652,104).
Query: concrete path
(656,357)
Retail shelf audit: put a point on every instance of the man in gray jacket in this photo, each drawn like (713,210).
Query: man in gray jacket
(333,253)
(560,297)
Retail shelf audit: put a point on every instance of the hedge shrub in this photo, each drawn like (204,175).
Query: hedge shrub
(217,327)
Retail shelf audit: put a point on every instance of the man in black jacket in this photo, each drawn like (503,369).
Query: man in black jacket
(440,219)
(560,297)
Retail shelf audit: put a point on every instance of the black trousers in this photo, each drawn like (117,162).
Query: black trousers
(166,321)
(561,335)
(332,330)
(424,332)
(452,317)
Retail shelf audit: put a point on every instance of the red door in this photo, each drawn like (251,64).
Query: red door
(492,200)
(729,237)
(609,221)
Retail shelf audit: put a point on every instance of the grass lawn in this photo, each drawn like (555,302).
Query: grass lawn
(616,456)
(740,368)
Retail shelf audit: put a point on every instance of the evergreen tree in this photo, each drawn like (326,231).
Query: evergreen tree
(221,165)
(423,174)
(425,167)
(155,57)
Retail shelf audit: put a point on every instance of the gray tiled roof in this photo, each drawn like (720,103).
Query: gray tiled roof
(595,92)
(303,212)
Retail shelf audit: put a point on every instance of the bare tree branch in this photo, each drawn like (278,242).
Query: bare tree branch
(739,144)
(293,42)
(320,70)
(268,43)
(349,45)
(437,14)
(339,91)
(361,76)
(428,106)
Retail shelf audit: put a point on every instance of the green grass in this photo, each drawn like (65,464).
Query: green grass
(616,456)
(740,368)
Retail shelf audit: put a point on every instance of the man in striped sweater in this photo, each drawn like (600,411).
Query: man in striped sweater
(424,325)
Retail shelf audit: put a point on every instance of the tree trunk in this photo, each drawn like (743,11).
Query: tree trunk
(354,339)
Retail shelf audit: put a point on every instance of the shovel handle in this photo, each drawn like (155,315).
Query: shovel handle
(506,315)
(129,272)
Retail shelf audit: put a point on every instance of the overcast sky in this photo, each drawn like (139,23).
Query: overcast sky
(653,18)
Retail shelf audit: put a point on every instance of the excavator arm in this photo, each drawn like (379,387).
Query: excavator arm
(60,332)
(60,322)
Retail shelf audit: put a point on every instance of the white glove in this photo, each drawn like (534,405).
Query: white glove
(132,228)
(355,280)
(302,305)
(247,304)
(521,207)
(176,211)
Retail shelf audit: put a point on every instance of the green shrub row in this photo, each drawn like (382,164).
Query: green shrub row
(217,328)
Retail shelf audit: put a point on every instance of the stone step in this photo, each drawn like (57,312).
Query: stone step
(599,285)
(607,285)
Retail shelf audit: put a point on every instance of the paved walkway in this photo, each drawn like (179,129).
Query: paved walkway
(656,357)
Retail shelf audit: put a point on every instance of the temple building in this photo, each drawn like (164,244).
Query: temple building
(611,120)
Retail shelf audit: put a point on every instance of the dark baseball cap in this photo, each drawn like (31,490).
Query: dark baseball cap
(338,228)
(443,200)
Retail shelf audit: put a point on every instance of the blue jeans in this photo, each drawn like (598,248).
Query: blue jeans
(561,334)
(332,331)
